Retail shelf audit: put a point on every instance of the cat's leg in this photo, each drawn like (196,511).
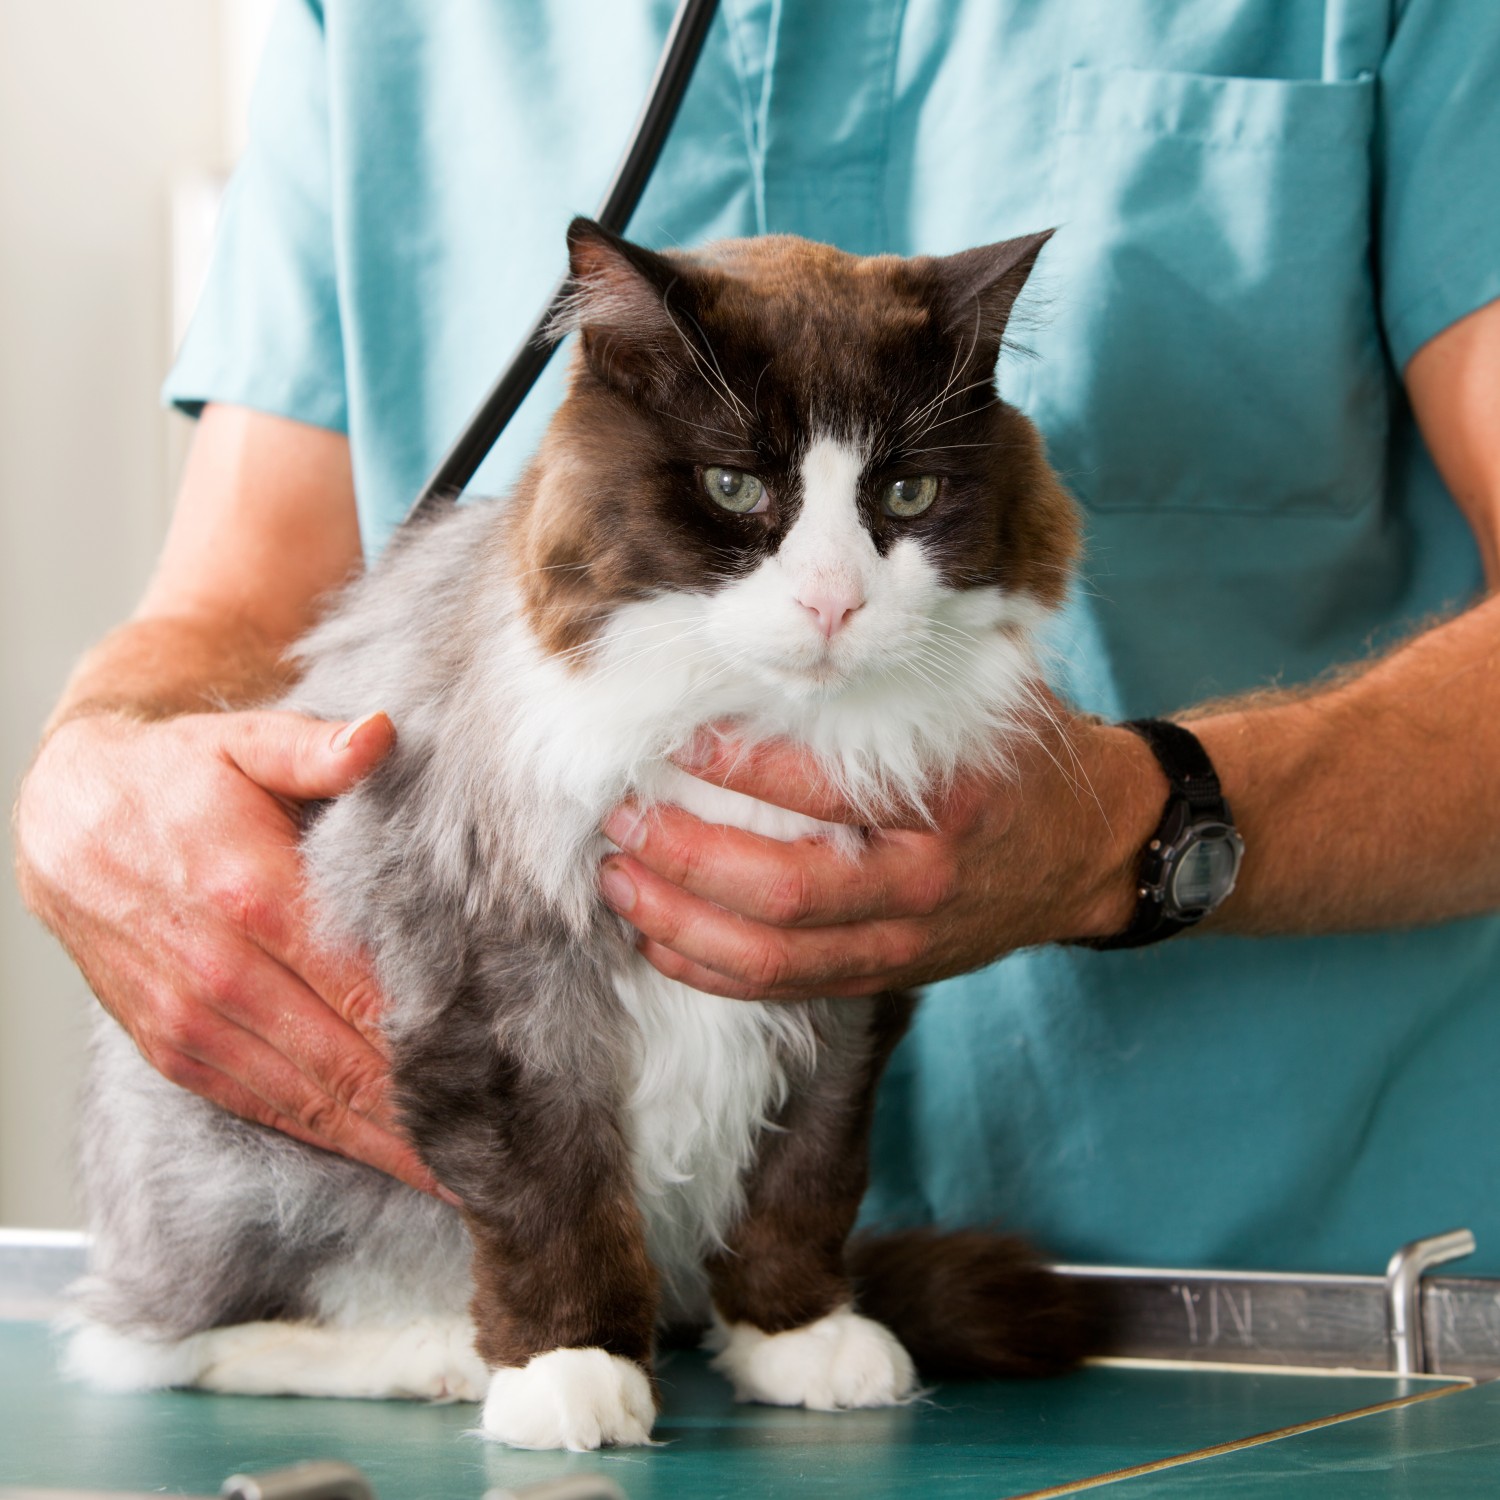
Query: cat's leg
(565,1297)
(228,1256)
(785,1326)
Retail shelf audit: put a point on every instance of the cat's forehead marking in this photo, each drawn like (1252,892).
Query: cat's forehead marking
(819,304)
(828,534)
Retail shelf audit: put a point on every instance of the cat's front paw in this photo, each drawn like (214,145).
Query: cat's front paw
(841,1361)
(570,1398)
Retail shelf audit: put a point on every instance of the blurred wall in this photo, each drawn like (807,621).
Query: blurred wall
(105,105)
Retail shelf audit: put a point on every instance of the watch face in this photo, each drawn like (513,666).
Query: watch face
(1205,870)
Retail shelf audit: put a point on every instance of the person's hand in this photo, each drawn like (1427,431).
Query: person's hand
(1042,853)
(164,856)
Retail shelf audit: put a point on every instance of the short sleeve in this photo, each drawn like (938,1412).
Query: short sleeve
(266,333)
(1438,154)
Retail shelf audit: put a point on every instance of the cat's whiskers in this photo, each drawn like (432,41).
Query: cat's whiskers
(601,644)
(613,666)
(945,669)
(937,401)
(947,448)
(1078,778)
(755,394)
(958,416)
(715,375)
(579,567)
(738,445)
(961,358)
(938,623)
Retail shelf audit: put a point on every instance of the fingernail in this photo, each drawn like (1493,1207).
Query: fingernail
(451,1199)
(625,828)
(618,888)
(345,737)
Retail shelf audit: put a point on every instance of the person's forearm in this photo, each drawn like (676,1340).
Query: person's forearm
(1374,802)
(264,528)
(157,666)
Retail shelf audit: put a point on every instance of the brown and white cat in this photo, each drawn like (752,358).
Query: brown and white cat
(783,491)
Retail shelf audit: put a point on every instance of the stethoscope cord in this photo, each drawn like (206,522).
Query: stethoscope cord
(481,432)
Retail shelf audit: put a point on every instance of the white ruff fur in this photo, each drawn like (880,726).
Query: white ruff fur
(923,679)
(709,1076)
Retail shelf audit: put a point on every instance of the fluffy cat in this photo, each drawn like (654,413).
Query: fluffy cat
(782,491)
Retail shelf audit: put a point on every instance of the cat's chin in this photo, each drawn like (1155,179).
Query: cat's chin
(817,681)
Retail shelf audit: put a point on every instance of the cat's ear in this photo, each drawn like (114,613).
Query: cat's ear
(620,299)
(980,288)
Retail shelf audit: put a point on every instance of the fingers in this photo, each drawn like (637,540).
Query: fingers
(335,1059)
(180,900)
(283,1102)
(789,776)
(341,979)
(757,960)
(263,898)
(711,982)
(301,758)
(262,1035)
(805,883)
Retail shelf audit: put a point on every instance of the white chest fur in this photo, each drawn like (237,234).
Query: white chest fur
(709,1073)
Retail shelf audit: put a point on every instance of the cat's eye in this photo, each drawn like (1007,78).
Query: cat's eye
(909,497)
(735,490)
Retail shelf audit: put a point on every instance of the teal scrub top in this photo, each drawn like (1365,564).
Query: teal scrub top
(1264,207)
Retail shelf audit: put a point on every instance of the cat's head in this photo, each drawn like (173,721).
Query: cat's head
(797,458)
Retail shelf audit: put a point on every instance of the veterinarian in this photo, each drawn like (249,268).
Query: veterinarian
(1268,364)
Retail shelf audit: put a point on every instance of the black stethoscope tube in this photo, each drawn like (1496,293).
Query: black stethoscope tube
(483,429)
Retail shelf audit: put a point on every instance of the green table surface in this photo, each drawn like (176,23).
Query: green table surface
(1447,1449)
(984,1441)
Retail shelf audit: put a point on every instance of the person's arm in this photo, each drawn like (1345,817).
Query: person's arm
(1371,802)
(155,833)
(264,526)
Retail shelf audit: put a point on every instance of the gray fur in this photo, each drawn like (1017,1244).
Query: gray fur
(201,1219)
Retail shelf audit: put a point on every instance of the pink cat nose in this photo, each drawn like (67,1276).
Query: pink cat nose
(832,606)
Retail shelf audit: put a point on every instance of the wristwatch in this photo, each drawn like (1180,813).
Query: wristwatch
(1190,864)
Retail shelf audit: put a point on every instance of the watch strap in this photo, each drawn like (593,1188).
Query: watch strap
(1193,788)
(1185,763)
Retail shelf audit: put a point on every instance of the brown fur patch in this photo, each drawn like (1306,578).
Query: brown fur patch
(968,1304)
(579,1282)
(537,1154)
(783,1264)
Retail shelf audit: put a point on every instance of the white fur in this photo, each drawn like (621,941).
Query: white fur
(709,1074)
(431,1360)
(922,679)
(841,1361)
(570,1398)
(829,551)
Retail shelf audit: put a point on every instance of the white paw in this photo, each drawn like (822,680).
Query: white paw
(840,1361)
(570,1398)
(112,1361)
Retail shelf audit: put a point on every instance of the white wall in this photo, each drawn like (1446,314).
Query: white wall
(103,105)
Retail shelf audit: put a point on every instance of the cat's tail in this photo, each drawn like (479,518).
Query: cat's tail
(969,1303)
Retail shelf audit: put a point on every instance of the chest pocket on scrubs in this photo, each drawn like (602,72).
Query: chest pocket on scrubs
(1213,341)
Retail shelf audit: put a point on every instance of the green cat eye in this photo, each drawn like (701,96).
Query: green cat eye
(909,497)
(735,490)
